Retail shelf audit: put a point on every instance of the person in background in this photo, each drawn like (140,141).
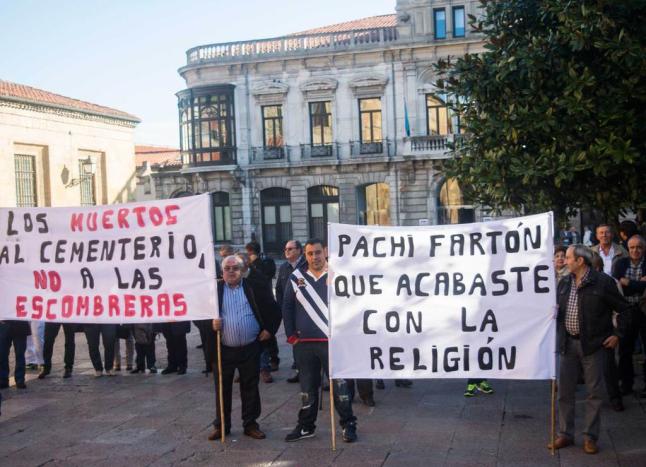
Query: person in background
(607,249)
(295,260)
(51,331)
(35,342)
(631,274)
(13,333)
(124,330)
(627,229)
(144,338)
(560,268)
(587,235)
(108,333)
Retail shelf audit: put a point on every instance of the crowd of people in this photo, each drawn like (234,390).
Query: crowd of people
(601,323)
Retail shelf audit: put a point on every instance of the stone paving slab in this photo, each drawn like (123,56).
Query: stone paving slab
(156,420)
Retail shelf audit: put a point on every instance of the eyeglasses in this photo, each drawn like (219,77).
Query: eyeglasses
(231,268)
(290,249)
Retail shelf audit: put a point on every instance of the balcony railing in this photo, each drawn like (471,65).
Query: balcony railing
(269,154)
(375,148)
(428,143)
(319,151)
(263,48)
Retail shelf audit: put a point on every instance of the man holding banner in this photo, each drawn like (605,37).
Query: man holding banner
(305,315)
(586,301)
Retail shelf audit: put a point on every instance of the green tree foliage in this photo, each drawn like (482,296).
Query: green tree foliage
(555,108)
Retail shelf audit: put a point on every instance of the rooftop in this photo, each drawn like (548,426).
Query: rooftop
(156,155)
(371,22)
(22,93)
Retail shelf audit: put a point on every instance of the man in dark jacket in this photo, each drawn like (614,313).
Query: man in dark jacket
(244,325)
(13,332)
(305,315)
(586,301)
(631,273)
(295,260)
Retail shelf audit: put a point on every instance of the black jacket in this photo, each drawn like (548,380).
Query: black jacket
(598,298)
(265,265)
(619,269)
(284,271)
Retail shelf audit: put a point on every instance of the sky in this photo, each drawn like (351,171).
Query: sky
(125,53)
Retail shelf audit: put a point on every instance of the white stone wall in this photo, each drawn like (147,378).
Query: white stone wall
(59,140)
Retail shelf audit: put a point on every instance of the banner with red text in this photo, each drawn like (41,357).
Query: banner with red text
(124,263)
(450,301)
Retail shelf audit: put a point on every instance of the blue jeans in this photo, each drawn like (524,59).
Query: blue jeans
(19,347)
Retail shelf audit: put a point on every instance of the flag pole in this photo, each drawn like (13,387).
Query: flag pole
(553,417)
(220,391)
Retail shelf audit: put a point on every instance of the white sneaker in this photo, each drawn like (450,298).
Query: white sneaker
(109,372)
(98,373)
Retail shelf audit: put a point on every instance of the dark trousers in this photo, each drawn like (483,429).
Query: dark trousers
(19,346)
(611,375)
(311,358)
(204,326)
(272,349)
(573,362)
(627,347)
(145,355)
(108,333)
(246,360)
(51,331)
(176,347)
(363,387)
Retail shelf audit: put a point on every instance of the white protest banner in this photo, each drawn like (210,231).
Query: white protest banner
(451,301)
(126,263)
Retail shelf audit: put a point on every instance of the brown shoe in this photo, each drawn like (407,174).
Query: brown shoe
(561,442)
(266,376)
(590,446)
(254,432)
(217,434)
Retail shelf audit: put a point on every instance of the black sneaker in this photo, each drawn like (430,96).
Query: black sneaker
(350,433)
(299,433)
(67,373)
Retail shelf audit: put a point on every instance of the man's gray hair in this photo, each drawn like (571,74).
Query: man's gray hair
(236,258)
(581,251)
(638,238)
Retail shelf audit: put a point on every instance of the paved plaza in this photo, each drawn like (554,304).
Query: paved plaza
(157,420)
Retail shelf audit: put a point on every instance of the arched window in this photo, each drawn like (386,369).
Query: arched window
(323,202)
(374,204)
(276,219)
(451,207)
(221,217)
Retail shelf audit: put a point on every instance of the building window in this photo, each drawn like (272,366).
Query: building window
(452,209)
(221,216)
(370,118)
(272,126)
(87,182)
(323,203)
(276,219)
(437,117)
(458,21)
(439,20)
(25,166)
(321,123)
(207,125)
(374,204)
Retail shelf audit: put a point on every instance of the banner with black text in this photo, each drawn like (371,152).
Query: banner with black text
(127,263)
(450,301)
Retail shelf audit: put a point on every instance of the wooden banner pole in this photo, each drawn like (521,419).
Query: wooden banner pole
(553,417)
(220,391)
(332,421)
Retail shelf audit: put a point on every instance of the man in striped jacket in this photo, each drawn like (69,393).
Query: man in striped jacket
(305,316)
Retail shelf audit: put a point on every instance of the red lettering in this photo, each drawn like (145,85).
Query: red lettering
(156,215)
(129,309)
(146,306)
(140,218)
(180,304)
(163,305)
(170,219)
(113,305)
(49,315)
(105,219)
(92,221)
(67,306)
(76,222)
(37,305)
(40,279)
(98,305)
(122,218)
(54,281)
(82,305)
(20,306)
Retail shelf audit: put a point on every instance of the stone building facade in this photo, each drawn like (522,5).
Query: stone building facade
(59,151)
(336,124)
